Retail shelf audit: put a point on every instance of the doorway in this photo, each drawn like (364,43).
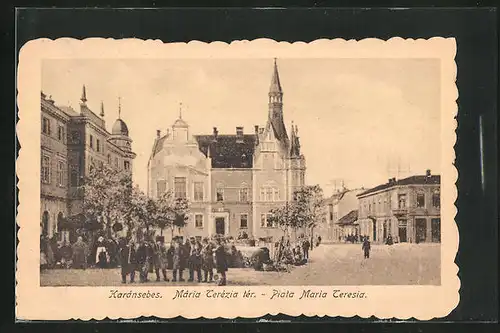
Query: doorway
(436,230)
(385,230)
(374,230)
(421,230)
(220,226)
(45,223)
(402,231)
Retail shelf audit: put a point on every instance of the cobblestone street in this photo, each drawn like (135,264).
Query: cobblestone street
(340,264)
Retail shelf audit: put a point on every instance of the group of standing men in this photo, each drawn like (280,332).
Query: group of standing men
(156,256)
(298,253)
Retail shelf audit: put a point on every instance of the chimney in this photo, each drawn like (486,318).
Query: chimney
(50,100)
(215,133)
(43,95)
(239,134)
(428,173)
(158,133)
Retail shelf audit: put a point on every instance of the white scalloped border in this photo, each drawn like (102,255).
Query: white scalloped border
(34,302)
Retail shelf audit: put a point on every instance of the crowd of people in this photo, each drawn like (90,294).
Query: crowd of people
(297,252)
(355,238)
(63,254)
(198,258)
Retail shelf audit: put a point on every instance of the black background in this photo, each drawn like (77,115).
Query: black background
(475,30)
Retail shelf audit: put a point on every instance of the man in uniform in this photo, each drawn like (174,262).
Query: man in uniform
(221,261)
(128,260)
(178,264)
(366,248)
(194,260)
(161,258)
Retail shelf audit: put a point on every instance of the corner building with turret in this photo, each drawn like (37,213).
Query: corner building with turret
(231,180)
(71,143)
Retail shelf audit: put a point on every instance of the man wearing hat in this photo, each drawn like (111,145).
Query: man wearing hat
(194,260)
(160,258)
(128,260)
(177,264)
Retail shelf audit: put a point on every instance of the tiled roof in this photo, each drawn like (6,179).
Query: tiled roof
(158,145)
(229,151)
(68,110)
(279,130)
(349,218)
(413,180)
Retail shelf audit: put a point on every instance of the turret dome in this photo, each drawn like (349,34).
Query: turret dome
(119,128)
(180,123)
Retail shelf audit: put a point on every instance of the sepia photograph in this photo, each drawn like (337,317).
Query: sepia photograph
(240,172)
(214,180)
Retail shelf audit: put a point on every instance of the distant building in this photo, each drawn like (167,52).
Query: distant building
(349,224)
(337,206)
(407,209)
(71,142)
(231,180)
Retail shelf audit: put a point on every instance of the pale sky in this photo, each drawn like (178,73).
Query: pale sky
(356,117)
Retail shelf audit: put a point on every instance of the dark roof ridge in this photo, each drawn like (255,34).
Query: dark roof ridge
(411,180)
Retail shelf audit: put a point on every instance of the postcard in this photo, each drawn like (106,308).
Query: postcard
(216,180)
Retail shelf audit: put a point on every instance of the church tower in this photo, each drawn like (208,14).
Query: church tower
(120,138)
(297,162)
(275,117)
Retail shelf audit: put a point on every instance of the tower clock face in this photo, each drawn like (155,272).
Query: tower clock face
(75,137)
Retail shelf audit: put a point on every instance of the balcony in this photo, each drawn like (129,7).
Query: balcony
(399,211)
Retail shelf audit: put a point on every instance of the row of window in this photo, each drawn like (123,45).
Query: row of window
(47,129)
(265,221)
(402,202)
(198,220)
(420,200)
(46,171)
(126,164)
(98,146)
(180,191)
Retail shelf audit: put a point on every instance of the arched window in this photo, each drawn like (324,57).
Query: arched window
(436,199)
(269,192)
(219,192)
(74,177)
(244,192)
(45,223)
(420,200)
(60,219)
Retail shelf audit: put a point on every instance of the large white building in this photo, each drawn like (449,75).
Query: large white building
(231,180)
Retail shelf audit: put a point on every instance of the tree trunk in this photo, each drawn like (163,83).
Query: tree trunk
(108,225)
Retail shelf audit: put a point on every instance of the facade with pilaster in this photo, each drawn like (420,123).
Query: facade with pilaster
(231,180)
(71,142)
(407,209)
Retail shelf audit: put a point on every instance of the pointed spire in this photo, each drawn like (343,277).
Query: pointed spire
(180,110)
(119,108)
(294,142)
(275,81)
(102,109)
(209,151)
(84,95)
